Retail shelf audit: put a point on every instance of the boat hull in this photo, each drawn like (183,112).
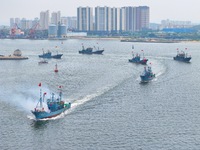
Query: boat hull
(84,52)
(147,78)
(143,62)
(98,52)
(44,114)
(91,52)
(58,56)
(187,59)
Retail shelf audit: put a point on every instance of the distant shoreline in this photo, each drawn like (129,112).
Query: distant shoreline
(121,39)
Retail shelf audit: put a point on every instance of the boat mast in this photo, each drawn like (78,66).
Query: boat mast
(40,101)
(83,47)
(60,93)
(97,45)
(41,106)
(186,52)
(177,51)
(142,53)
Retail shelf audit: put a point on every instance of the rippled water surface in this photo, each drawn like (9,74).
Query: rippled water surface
(110,108)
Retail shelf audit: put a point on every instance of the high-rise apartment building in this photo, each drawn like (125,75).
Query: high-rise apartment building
(130,18)
(102,15)
(107,19)
(84,19)
(70,22)
(25,24)
(64,20)
(12,22)
(55,18)
(142,18)
(18,21)
(15,21)
(115,19)
(44,20)
(134,18)
(122,20)
(73,23)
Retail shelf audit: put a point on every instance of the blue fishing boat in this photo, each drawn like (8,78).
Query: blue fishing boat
(98,51)
(89,50)
(55,106)
(86,51)
(48,54)
(137,59)
(182,56)
(147,74)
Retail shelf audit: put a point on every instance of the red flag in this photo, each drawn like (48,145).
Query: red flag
(45,93)
(39,84)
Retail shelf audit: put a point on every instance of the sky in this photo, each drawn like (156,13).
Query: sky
(178,10)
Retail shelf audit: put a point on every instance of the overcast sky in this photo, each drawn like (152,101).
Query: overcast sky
(179,10)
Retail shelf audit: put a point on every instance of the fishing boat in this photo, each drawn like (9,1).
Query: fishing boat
(137,59)
(182,56)
(89,50)
(48,54)
(55,106)
(147,74)
(98,51)
(86,51)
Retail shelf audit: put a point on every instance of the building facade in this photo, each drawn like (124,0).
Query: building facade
(102,17)
(55,18)
(134,18)
(12,22)
(115,19)
(125,19)
(84,19)
(44,20)
(15,21)
(70,22)
(25,24)
(142,18)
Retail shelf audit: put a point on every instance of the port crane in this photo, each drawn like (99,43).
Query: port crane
(32,31)
(14,30)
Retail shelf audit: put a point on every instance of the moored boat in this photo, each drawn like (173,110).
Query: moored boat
(147,74)
(56,106)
